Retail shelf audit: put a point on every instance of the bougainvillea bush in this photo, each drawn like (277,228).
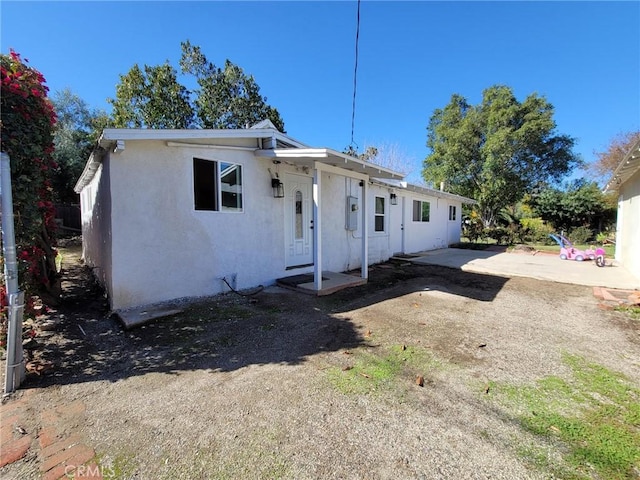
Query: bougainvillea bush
(26,126)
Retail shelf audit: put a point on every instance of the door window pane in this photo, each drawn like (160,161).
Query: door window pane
(299,219)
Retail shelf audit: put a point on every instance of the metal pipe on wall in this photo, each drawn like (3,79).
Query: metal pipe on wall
(15,369)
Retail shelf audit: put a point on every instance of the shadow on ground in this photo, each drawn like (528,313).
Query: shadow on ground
(226,332)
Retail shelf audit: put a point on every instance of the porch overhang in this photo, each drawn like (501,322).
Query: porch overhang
(310,157)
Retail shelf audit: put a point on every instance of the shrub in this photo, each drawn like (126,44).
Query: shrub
(581,235)
(535,230)
(28,120)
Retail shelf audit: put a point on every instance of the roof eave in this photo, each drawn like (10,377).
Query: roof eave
(629,165)
(328,157)
(111,135)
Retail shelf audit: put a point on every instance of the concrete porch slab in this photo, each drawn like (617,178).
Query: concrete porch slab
(136,317)
(331,282)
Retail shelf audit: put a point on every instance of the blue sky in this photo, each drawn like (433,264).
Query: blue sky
(584,57)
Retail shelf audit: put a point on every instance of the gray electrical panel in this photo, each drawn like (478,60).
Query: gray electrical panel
(352,213)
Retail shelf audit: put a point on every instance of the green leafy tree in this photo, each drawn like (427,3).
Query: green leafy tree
(76,133)
(151,97)
(227,97)
(497,151)
(27,125)
(579,204)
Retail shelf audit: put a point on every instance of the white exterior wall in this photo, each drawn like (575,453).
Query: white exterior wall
(438,232)
(628,225)
(95,207)
(148,243)
(342,248)
(164,248)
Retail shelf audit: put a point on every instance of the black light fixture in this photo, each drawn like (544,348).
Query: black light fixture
(393,199)
(278,188)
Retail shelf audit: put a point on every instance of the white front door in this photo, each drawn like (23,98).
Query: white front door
(396,226)
(298,220)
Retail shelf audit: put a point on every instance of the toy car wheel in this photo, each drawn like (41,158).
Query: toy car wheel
(600,261)
(563,257)
(579,258)
(592,257)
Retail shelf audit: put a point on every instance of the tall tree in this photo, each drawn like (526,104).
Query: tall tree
(75,135)
(227,97)
(498,150)
(602,168)
(151,97)
(580,204)
(27,120)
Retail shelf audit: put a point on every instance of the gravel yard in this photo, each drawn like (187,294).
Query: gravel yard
(285,385)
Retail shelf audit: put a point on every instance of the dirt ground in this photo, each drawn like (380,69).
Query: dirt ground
(260,386)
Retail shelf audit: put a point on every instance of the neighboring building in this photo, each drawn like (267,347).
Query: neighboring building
(168,214)
(626,183)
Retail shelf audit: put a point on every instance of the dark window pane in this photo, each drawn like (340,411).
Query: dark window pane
(204,184)
(416,211)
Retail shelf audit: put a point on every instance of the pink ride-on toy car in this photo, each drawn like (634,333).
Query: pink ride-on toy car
(569,252)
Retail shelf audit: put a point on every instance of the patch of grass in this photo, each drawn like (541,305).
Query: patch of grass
(608,249)
(371,373)
(256,460)
(631,310)
(123,465)
(595,416)
(472,245)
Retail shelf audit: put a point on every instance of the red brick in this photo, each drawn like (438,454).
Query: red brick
(57,473)
(607,296)
(50,416)
(14,407)
(61,456)
(6,434)
(11,420)
(48,436)
(82,457)
(597,292)
(14,451)
(60,445)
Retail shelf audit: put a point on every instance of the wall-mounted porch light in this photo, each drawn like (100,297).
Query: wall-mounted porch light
(278,188)
(393,199)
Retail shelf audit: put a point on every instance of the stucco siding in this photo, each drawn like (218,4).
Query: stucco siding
(149,243)
(628,238)
(421,236)
(95,207)
(167,249)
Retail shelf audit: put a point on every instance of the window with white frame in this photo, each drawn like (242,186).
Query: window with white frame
(379,215)
(452,212)
(421,211)
(217,186)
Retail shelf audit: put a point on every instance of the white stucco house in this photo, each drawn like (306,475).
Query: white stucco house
(168,214)
(626,183)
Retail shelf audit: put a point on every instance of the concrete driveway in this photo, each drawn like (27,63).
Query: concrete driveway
(541,266)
